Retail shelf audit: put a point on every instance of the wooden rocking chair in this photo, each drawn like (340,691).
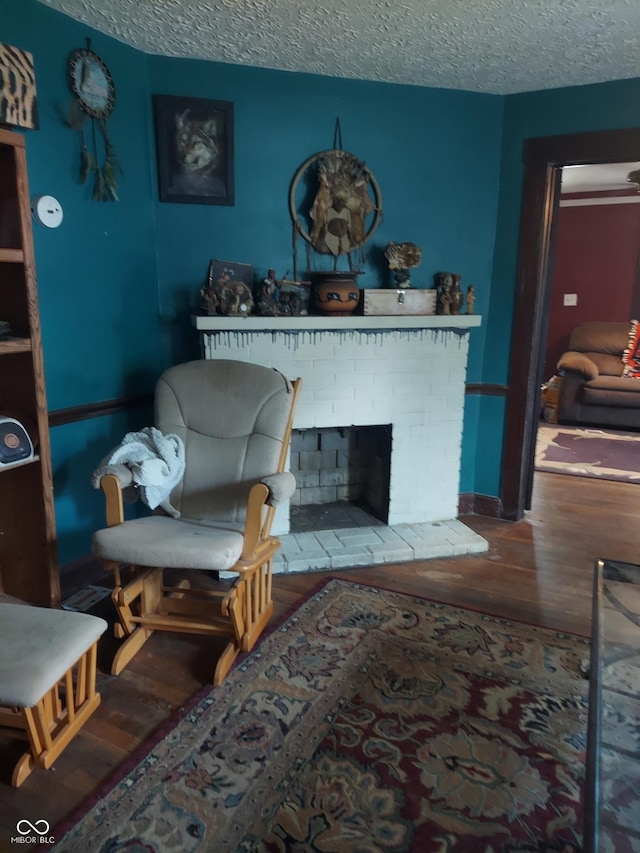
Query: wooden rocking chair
(235,421)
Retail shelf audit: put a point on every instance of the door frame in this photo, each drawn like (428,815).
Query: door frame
(544,158)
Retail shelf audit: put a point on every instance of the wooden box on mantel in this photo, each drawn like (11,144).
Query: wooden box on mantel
(391,301)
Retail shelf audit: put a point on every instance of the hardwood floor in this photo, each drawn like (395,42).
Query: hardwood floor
(538,570)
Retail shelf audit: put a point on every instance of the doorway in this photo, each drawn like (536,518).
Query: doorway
(595,263)
(544,158)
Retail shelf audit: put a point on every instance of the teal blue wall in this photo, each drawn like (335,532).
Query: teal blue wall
(97,279)
(118,281)
(413,139)
(76,450)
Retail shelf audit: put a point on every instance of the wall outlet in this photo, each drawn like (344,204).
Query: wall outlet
(570,299)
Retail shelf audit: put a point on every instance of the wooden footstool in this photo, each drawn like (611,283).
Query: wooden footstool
(47,679)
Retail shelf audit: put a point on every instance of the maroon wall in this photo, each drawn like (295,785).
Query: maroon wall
(596,256)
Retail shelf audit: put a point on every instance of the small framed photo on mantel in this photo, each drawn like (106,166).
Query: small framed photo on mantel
(194,144)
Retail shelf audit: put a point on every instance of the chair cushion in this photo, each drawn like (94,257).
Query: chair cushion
(37,646)
(231,416)
(618,391)
(170,543)
(608,365)
(599,336)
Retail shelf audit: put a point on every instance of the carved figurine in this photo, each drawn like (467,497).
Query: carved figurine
(209,303)
(445,280)
(456,294)
(444,300)
(268,304)
(471,299)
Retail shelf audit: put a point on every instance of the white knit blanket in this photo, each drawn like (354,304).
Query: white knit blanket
(156,462)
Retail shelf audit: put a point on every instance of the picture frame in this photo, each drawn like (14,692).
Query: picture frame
(18,97)
(195,150)
(223,271)
(229,289)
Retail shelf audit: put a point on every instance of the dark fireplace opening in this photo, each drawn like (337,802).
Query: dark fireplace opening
(342,477)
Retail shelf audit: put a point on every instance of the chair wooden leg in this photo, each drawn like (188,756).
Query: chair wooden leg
(148,588)
(129,649)
(22,769)
(225,662)
(124,626)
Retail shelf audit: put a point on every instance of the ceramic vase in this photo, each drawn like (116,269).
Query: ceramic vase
(334,293)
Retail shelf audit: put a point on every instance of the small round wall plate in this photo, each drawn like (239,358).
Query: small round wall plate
(47,211)
(91,83)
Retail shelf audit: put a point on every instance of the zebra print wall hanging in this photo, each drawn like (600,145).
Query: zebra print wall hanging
(18,104)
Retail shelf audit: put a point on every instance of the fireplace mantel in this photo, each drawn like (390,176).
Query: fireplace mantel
(334,324)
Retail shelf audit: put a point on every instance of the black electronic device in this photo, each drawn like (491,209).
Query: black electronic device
(15,444)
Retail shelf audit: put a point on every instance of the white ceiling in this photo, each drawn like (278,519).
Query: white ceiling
(495,46)
(598,178)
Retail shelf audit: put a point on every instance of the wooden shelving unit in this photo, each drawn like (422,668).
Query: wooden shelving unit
(28,561)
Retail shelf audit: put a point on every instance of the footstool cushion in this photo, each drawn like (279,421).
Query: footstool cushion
(37,647)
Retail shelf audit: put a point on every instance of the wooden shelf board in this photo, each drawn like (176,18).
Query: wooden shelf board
(15,345)
(19,464)
(12,256)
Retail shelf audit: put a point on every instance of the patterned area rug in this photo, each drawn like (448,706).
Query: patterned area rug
(600,453)
(369,722)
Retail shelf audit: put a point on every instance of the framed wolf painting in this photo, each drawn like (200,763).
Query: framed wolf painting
(194,143)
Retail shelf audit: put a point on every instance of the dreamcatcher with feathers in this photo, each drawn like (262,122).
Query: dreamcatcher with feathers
(345,204)
(94,99)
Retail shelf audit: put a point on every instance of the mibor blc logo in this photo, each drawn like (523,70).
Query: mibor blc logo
(33,833)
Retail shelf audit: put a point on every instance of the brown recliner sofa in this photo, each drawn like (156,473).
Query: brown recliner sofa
(594,391)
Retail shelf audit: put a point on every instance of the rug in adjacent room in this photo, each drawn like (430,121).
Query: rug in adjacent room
(599,453)
(369,721)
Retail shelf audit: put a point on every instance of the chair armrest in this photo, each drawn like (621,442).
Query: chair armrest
(270,491)
(281,486)
(254,521)
(122,473)
(579,363)
(116,481)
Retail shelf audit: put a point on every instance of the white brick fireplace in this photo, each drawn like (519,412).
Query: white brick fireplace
(405,371)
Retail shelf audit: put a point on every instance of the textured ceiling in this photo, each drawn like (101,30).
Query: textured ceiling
(496,46)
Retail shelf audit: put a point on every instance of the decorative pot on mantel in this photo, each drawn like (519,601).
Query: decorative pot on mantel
(334,293)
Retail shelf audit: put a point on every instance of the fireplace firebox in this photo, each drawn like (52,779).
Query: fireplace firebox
(342,464)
